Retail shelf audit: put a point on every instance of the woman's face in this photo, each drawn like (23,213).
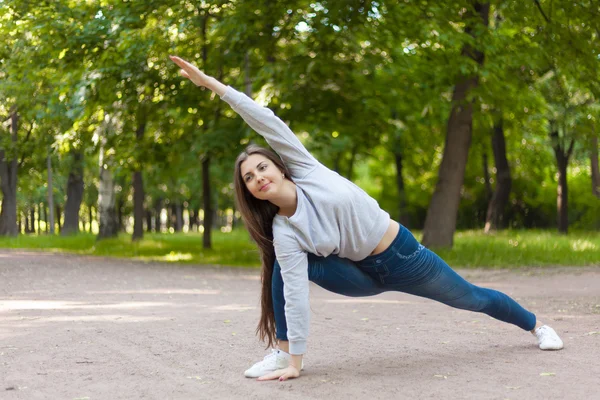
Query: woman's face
(261,176)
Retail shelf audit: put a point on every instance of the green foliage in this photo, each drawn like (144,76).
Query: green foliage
(360,82)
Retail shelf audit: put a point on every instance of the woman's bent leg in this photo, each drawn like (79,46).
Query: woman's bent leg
(409,267)
(335,274)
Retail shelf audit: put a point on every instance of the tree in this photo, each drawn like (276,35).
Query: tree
(440,222)
(75,188)
(495,217)
(8,179)
(107,215)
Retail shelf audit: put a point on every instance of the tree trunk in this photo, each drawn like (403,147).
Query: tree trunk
(157,216)
(148,214)
(191,218)
(26,224)
(8,183)
(486,177)
(178,217)
(74,195)
(197,218)
(138,183)
(39,219)
(595,170)
(562,199)
(50,193)
(440,222)
(138,206)
(495,217)
(91,218)
(562,162)
(58,211)
(107,216)
(174,218)
(403,218)
(32,219)
(120,216)
(234,221)
(216,224)
(186,206)
(45,209)
(208,213)
(169,219)
(206,187)
(403,215)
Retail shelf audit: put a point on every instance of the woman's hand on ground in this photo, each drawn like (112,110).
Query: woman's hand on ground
(191,72)
(281,374)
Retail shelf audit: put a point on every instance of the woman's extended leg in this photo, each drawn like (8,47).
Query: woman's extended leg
(434,279)
(409,267)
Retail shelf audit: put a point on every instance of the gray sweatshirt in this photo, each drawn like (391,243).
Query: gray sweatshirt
(333,215)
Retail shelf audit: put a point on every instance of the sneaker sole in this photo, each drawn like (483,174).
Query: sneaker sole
(248,375)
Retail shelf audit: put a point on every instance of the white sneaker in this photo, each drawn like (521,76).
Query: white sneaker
(278,359)
(548,339)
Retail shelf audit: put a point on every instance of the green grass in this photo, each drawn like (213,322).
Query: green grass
(508,249)
(228,249)
(519,248)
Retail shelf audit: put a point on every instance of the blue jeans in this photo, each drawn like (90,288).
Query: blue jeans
(405,266)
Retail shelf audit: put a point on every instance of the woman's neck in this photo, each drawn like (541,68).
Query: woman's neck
(288,201)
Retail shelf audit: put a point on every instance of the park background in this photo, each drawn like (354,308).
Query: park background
(475,124)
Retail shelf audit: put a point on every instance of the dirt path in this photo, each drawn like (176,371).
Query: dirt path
(89,328)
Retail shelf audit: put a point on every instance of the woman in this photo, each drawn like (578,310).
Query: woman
(312,224)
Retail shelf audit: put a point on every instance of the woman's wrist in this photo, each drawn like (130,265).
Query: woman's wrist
(296,361)
(216,86)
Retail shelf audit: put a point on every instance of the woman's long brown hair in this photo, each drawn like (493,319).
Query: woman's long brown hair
(258,217)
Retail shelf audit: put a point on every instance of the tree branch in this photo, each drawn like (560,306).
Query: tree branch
(25,141)
(570,150)
(539,6)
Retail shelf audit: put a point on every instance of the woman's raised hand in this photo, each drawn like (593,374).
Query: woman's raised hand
(198,77)
(191,72)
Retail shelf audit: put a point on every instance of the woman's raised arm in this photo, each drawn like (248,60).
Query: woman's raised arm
(262,119)
(198,77)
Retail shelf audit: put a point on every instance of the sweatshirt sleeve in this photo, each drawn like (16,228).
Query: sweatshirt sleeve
(274,130)
(294,271)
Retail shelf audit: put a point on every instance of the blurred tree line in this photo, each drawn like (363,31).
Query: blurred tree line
(458,114)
